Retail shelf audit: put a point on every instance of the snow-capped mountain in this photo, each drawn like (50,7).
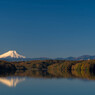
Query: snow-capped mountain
(11,54)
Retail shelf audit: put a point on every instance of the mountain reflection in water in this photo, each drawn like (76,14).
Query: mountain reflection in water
(11,82)
(13,78)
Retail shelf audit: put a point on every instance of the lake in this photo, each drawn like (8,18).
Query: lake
(41,83)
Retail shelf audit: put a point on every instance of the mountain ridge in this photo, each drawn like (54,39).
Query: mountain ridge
(12,55)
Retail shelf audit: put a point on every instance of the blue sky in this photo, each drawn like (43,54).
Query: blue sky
(48,28)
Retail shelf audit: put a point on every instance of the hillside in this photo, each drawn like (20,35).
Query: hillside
(48,64)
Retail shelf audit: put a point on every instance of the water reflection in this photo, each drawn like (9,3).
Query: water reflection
(50,74)
(11,82)
(50,82)
(11,79)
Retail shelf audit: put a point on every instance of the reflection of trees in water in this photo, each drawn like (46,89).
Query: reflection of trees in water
(84,74)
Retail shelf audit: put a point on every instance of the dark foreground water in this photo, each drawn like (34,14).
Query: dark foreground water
(43,83)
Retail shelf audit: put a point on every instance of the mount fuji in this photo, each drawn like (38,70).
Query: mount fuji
(11,54)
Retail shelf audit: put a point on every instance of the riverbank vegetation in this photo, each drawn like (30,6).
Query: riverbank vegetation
(49,65)
(49,69)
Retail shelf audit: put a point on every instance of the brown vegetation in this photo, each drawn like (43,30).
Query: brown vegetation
(49,69)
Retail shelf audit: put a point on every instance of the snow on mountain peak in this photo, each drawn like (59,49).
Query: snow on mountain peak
(11,54)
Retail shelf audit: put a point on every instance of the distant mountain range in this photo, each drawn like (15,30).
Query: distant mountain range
(84,57)
(14,56)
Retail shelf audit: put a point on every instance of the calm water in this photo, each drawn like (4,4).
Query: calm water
(46,85)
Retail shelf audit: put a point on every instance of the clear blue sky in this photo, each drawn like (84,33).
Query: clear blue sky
(48,28)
